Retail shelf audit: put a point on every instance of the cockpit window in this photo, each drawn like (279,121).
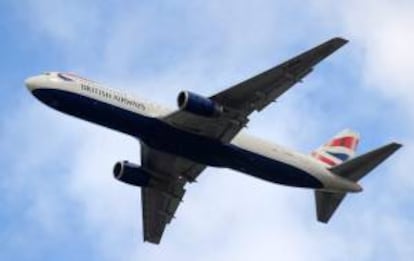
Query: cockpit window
(74,78)
(64,77)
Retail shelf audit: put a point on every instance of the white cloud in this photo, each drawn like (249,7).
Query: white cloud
(382,31)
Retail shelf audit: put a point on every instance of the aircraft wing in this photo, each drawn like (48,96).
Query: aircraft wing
(160,201)
(253,94)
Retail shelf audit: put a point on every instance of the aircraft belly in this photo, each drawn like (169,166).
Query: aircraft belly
(213,153)
(271,170)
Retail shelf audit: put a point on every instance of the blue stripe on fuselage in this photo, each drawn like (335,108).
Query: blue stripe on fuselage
(164,137)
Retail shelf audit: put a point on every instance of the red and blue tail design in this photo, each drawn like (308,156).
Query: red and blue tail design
(341,148)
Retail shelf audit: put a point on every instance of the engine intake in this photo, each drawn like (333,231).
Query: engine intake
(197,104)
(131,174)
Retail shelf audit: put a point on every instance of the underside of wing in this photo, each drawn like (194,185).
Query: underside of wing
(257,92)
(254,94)
(160,200)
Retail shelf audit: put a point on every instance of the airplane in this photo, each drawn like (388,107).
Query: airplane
(178,144)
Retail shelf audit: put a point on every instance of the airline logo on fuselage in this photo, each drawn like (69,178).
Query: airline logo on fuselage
(90,87)
(119,98)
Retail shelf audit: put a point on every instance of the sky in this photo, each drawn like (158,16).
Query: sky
(59,198)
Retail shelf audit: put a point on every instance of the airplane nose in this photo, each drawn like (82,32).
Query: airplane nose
(32,82)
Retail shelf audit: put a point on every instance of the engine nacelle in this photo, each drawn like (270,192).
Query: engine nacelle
(197,104)
(131,173)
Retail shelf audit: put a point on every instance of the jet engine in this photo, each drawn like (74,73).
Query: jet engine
(197,104)
(131,174)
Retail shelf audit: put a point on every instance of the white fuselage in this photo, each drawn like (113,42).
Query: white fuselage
(47,86)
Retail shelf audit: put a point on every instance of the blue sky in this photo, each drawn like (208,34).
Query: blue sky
(58,195)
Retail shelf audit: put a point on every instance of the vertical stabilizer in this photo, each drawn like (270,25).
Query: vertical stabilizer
(339,149)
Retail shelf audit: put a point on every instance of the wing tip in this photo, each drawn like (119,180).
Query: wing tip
(397,144)
(394,146)
(323,220)
(330,46)
(155,241)
(339,40)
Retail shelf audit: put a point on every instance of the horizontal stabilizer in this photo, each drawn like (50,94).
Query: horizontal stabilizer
(354,170)
(357,168)
(326,204)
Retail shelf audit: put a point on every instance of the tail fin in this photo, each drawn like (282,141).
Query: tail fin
(339,149)
(354,170)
